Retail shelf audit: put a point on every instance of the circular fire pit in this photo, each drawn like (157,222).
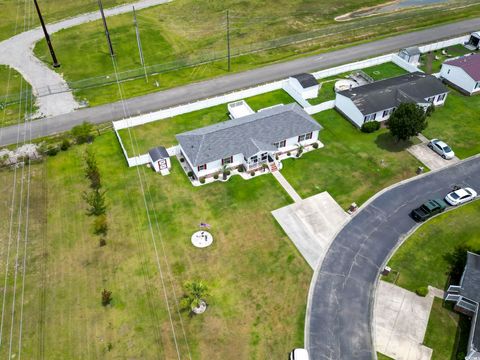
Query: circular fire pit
(202,239)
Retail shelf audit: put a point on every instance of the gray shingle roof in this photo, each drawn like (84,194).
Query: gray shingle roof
(306,80)
(158,153)
(247,135)
(471,278)
(389,93)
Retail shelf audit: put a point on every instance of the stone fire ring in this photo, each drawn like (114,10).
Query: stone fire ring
(202,239)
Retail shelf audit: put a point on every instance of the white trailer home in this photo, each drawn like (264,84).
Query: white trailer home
(463,73)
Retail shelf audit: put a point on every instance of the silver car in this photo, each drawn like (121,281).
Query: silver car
(441,149)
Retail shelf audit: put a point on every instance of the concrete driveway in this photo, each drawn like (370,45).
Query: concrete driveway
(312,224)
(429,157)
(401,319)
(339,316)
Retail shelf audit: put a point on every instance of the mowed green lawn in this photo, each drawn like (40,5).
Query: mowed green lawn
(457,123)
(258,280)
(139,139)
(377,72)
(16,101)
(187,32)
(352,166)
(447,332)
(424,258)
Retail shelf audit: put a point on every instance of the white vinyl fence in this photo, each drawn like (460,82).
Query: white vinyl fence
(444,44)
(320,107)
(397,60)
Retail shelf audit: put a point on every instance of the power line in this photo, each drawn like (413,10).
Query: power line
(139,43)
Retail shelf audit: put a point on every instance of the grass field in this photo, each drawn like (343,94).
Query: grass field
(457,123)
(423,259)
(432,62)
(186,32)
(352,166)
(383,357)
(258,280)
(377,72)
(447,332)
(162,132)
(14,106)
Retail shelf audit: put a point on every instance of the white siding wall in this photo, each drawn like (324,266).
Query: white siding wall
(348,108)
(216,166)
(308,93)
(459,77)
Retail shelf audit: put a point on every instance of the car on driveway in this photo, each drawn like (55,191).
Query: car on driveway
(441,149)
(460,196)
(428,209)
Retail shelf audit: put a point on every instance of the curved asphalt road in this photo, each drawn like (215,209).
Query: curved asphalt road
(340,308)
(221,85)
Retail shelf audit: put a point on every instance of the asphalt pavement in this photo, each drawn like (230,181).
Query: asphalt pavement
(221,85)
(340,308)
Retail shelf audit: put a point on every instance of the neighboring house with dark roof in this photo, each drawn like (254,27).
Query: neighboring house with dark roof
(377,101)
(463,73)
(410,55)
(304,84)
(250,141)
(467,298)
(160,160)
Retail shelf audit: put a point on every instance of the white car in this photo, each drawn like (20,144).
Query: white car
(460,196)
(441,149)
(299,354)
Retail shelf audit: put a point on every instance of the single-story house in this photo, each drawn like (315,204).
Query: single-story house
(473,42)
(376,101)
(463,73)
(411,55)
(304,84)
(160,160)
(467,298)
(249,142)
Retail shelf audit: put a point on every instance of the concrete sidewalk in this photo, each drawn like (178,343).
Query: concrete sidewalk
(286,186)
(312,224)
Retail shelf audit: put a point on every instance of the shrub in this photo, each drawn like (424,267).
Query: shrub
(430,110)
(228,172)
(106,297)
(422,291)
(315,145)
(202,180)
(103,242)
(370,126)
(100,226)
(65,144)
(276,157)
(182,160)
(190,173)
(289,153)
(52,150)
(241,168)
(252,173)
(215,176)
(82,133)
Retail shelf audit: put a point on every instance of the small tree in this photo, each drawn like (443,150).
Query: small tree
(100,226)
(82,133)
(406,121)
(300,149)
(106,297)
(225,171)
(91,170)
(195,292)
(96,200)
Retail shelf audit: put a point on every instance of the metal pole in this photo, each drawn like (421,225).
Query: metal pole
(56,64)
(228,41)
(106,28)
(139,43)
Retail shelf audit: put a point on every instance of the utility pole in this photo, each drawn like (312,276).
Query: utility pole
(107,34)
(228,41)
(56,64)
(139,43)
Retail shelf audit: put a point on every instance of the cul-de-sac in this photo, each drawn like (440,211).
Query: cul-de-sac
(251,180)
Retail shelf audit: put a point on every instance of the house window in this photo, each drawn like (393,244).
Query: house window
(308,136)
(430,99)
(386,113)
(227,160)
(441,97)
(448,72)
(254,159)
(301,138)
(370,117)
(202,167)
(477,86)
(280,144)
(264,156)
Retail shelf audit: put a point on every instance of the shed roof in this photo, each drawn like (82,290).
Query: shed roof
(306,80)
(158,153)
(389,93)
(247,135)
(413,50)
(470,64)
(471,278)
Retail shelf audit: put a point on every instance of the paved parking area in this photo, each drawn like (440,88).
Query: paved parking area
(429,157)
(312,224)
(400,322)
